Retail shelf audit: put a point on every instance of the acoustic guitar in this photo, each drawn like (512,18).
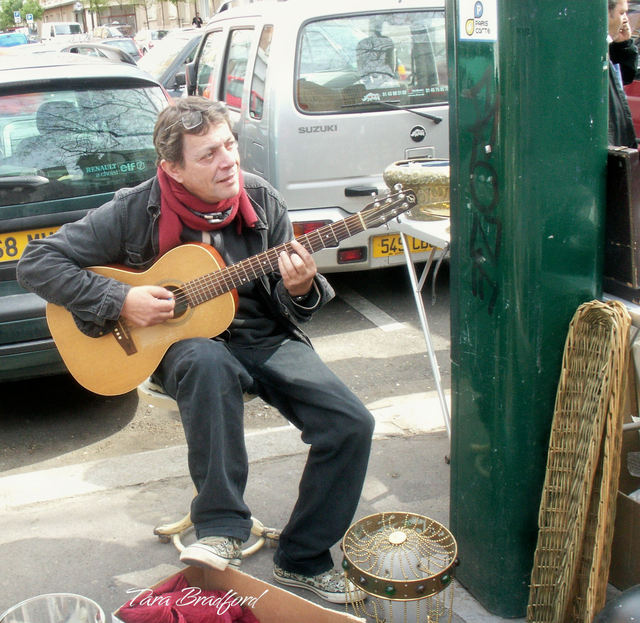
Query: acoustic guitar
(119,360)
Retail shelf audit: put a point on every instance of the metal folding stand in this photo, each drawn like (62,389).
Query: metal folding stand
(436,233)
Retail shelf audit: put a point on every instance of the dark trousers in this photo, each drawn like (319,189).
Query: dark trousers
(208,379)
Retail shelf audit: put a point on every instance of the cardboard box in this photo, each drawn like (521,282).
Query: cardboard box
(625,548)
(270,604)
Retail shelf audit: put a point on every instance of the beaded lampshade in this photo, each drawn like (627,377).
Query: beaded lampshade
(405,563)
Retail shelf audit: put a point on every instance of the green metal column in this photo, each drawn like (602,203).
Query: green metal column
(528,88)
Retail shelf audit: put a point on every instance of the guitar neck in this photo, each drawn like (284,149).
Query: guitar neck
(380,211)
(214,284)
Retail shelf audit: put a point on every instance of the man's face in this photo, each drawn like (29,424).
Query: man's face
(211,165)
(617,17)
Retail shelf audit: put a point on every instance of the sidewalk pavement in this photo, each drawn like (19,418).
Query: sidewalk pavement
(87,528)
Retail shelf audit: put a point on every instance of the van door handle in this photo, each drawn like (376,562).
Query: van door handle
(360,191)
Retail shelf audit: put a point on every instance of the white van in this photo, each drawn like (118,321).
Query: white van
(62,31)
(323,97)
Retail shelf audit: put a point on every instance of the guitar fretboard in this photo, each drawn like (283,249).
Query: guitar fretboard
(207,287)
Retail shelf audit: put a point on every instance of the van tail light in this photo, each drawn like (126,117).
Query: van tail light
(355,254)
(304,227)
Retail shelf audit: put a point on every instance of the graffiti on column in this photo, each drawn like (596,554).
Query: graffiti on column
(486,227)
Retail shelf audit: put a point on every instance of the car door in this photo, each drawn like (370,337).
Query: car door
(233,71)
(222,68)
(255,121)
(207,68)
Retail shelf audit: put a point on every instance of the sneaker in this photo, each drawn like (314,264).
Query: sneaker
(213,551)
(331,585)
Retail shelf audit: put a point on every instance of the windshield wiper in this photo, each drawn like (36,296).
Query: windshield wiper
(395,106)
(20,181)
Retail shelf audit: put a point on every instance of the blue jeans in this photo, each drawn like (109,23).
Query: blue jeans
(208,379)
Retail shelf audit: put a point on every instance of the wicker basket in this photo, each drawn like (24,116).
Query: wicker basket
(570,570)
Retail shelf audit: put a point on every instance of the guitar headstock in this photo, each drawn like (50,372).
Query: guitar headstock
(387,207)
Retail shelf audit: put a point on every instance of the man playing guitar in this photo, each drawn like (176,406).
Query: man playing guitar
(200,195)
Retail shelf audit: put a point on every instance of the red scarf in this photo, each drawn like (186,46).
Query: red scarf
(177,205)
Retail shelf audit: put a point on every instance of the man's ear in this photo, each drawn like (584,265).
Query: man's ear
(172,169)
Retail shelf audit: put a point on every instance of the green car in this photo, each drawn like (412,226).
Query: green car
(73,130)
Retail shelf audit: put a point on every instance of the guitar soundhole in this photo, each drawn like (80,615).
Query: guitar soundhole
(181,301)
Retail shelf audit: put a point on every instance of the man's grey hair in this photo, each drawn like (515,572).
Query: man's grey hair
(170,125)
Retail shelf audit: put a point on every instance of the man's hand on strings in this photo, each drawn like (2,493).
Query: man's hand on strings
(147,305)
(297,269)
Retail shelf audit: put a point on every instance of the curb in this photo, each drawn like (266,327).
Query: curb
(395,416)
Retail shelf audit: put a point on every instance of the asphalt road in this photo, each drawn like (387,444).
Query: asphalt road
(80,496)
(369,335)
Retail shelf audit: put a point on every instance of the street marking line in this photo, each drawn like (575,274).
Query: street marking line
(371,312)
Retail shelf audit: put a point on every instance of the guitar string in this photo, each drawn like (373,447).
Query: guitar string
(225,276)
(198,290)
(206,287)
(223,280)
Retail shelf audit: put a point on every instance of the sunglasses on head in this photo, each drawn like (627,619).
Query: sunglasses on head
(193,119)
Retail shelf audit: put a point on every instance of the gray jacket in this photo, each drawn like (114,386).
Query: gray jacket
(125,231)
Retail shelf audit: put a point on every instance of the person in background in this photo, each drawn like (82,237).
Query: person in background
(200,194)
(197,20)
(623,64)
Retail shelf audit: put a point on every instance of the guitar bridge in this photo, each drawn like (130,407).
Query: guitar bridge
(123,337)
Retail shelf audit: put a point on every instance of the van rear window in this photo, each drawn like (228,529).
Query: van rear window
(60,144)
(357,63)
(67,29)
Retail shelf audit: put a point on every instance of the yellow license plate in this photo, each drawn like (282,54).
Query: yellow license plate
(12,244)
(391,244)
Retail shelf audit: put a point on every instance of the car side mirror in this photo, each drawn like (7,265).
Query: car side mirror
(190,74)
(180,79)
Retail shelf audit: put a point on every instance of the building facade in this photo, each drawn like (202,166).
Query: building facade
(150,14)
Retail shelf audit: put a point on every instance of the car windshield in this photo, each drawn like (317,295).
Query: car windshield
(351,63)
(62,144)
(160,57)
